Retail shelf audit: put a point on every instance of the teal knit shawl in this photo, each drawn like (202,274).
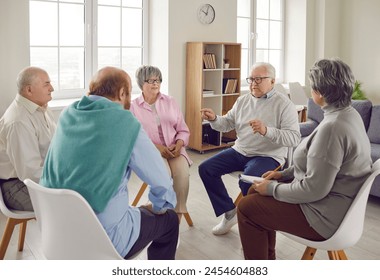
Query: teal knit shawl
(90,150)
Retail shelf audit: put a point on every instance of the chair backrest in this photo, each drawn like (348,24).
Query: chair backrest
(351,228)
(281,88)
(298,94)
(69,227)
(14,214)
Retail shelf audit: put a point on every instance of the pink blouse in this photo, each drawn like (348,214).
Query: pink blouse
(171,119)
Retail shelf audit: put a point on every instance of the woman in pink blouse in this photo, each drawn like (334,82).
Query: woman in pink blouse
(163,121)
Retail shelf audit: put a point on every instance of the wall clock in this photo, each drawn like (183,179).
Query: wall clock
(206,14)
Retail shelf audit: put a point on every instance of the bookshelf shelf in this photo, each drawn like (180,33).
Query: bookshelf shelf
(210,85)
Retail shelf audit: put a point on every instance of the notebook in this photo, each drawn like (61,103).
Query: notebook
(250,179)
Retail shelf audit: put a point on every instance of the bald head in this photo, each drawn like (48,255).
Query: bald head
(112,83)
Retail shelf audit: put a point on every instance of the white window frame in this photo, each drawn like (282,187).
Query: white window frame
(252,43)
(90,46)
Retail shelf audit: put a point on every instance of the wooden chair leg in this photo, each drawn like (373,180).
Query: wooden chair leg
(309,253)
(342,255)
(9,227)
(333,255)
(21,236)
(237,200)
(139,194)
(303,115)
(188,219)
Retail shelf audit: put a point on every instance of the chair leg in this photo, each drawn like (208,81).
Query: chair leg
(188,219)
(21,236)
(237,200)
(139,194)
(333,255)
(309,253)
(9,227)
(8,231)
(342,255)
(337,255)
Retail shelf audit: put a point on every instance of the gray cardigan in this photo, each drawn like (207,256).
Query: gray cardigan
(329,168)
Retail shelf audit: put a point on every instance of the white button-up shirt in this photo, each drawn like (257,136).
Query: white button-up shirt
(26,130)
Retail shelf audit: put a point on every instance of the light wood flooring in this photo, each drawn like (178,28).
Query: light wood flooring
(198,243)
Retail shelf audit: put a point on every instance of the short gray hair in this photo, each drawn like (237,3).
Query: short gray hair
(269,67)
(145,72)
(27,76)
(333,79)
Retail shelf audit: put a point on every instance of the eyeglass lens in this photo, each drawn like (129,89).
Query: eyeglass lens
(257,80)
(152,81)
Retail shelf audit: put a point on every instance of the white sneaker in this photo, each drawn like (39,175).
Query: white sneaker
(224,226)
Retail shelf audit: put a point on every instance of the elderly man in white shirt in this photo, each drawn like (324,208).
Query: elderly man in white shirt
(26,129)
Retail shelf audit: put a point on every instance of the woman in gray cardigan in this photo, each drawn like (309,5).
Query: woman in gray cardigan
(310,198)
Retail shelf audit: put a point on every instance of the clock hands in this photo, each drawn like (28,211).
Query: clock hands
(206,13)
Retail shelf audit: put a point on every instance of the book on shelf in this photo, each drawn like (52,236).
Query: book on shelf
(208,92)
(209,61)
(229,85)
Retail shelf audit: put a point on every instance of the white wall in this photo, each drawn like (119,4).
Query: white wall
(348,29)
(14,47)
(360,46)
(183,26)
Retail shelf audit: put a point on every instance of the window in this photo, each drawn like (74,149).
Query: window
(260,30)
(72,39)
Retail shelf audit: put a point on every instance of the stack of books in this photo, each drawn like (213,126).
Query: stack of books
(208,92)
(229,85)
(209,61)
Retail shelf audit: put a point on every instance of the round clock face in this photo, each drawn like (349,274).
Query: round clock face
(206,14)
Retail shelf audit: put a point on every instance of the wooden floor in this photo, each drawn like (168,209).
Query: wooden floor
(198,243)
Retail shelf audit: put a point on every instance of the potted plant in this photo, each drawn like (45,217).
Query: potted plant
(358,93)
(226,63)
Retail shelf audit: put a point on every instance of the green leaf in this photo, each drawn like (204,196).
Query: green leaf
(358,94)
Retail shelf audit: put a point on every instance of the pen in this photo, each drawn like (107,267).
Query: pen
(270,176)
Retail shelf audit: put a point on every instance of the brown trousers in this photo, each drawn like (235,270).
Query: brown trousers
(260,217)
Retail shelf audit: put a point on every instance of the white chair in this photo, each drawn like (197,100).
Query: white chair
(69,227)
(282,89)
(349,231)
(299,98)
(14,217)
(298,94)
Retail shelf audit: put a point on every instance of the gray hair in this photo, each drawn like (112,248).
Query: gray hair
(146,72)
(27,76)
(333,79)
(271,71)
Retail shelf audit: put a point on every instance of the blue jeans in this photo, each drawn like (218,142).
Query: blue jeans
(227,161)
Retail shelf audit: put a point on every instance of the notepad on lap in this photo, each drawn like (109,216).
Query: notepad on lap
(250,179)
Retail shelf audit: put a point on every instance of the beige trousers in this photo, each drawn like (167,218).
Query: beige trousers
(179,170)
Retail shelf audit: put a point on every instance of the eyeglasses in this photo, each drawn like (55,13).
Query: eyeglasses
(257,80)
(152,81)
